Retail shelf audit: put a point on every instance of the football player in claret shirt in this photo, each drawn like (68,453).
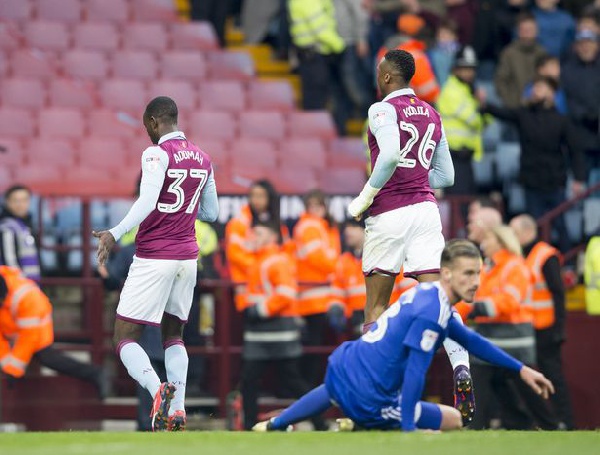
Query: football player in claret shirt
(177,183)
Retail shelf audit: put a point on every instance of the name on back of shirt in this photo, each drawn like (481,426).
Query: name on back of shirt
(415,110)
(187,155)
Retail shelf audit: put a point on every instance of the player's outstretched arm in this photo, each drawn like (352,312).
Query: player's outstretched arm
(537,381)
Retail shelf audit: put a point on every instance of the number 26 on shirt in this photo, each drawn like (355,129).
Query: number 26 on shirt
(175,188)
(427,145)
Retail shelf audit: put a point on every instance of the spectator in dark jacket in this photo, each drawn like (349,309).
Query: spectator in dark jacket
(549,66)
(543,134)
(17,244)
(581,81)
(516,67)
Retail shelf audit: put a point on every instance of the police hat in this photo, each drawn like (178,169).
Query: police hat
(466,58)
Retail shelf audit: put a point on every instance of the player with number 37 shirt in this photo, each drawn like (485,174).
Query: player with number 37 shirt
(177,183)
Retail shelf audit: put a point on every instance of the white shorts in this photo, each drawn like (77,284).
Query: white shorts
(409,236)
(155,287)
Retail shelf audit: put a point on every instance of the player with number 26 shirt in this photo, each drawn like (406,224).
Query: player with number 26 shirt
(177,184)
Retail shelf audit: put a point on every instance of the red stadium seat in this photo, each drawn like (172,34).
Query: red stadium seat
(230,65)
(34,175)
(262,125)
(218,151)
(211,125)
(347,152)
(183,64)
(303,152)
(193,36)
(239,178)
(96,36)
(108,123)
(271,95)
(47,36)
(101,152)
(181,91)
(294,180)
(59,10)
(135,65)
(20,92)
(19,10)
(312,124)
(107,10)
(52,152)
(86,65)
(16,123)
(3,64)
(10,36)
(154,10)
(250,152)
(147,36)
(72,93)
(222,96)
(126,94)
(6,178)
(61,122)
(12,153)
(342,181)
(33,63)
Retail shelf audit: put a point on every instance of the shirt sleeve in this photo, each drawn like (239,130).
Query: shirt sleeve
(9,248)
(480,347)
(441,173)
(155,162)
(422,338)
(383,123)
(209,202)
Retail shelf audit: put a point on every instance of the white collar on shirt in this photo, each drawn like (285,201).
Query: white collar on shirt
(402,91)
(170,136)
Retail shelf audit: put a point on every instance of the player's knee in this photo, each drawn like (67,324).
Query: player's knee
(451,419)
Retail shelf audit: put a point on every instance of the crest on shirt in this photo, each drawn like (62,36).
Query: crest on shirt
(379,118)
(428,340)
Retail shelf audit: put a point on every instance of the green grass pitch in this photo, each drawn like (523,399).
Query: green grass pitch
(305,443)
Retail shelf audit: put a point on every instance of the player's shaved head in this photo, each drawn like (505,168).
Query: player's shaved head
(160,117)
(162,107)
(401,62)
(484,219)
(525,228)
(395,71)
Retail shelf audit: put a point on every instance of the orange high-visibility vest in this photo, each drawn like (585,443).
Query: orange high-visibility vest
(318,249)
(25,322)
(240,256)
(349,288)
(542,303)
(506,289)
(272,286)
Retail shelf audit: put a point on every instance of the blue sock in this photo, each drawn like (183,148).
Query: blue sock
(313,403)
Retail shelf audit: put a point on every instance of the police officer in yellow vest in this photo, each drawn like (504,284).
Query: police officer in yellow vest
(549,315)
(591,272)
(314,33)
(463,123)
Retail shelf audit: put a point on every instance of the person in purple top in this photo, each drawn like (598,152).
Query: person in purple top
(409,158)
(177,183)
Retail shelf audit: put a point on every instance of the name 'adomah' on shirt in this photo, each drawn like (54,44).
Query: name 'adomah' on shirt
(177,182)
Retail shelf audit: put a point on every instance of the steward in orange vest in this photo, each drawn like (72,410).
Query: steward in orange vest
(26,331)
(271,329)
(549,314)
(239,241)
